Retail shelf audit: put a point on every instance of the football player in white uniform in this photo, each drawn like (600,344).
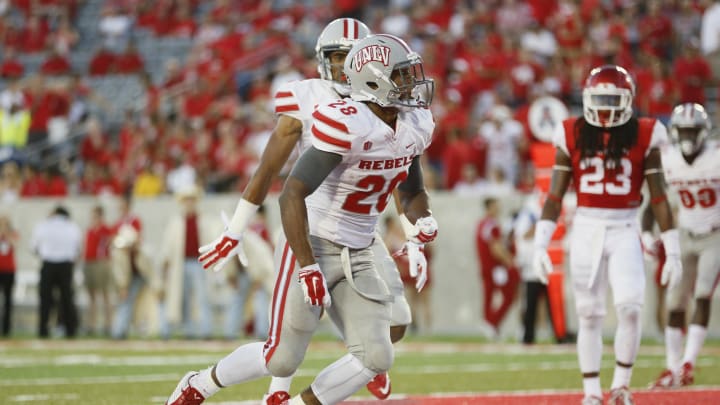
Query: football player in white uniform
(692,171)
(362,149)
(608,154)
(295,103)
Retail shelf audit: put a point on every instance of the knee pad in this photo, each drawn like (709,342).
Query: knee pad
(591,322)
(284,363)
(628,312)
(377,356)
(280,368)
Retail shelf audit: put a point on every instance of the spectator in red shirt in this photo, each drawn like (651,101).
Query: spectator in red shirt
(35,35)
(57,185)
(497,267)
(11,67)
(182,23)
(97,272)
(95,147)
(660,94)
(129,61)
(102,63)
(693,73)
(8,240)
(35,183)
(656,29)
(126,216)
(197,101)
(41,103)
(56,64)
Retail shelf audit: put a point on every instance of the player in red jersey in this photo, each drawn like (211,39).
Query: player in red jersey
(608,154)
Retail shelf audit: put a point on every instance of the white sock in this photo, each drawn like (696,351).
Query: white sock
(621,377)
(296,400)
(589,348)
(673,347)
(280,384)
(695,339)
(591,387)
(341,379)
(627,342)
(204,383)
(244,364)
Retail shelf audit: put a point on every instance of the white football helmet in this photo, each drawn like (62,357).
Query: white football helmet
(692,117)
(338,35)
(608,96)
(384,70)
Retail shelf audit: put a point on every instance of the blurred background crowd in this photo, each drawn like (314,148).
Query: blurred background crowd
(144,97)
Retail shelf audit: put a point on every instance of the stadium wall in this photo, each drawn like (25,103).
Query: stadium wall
(455,291)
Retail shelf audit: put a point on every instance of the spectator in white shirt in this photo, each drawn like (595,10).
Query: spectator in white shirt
(710,37)
(505,140)
(58,242)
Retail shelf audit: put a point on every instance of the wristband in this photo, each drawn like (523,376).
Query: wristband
(544,230)
(241,218)
(409,229)
(671,242)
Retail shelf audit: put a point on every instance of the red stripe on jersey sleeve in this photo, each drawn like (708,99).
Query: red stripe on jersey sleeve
(282,94)
(329,139)
(330,122)
(286,108)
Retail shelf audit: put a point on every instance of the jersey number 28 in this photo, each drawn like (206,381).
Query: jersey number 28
(593,182)
(372,184)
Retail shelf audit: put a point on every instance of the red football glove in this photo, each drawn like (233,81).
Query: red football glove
(313,285)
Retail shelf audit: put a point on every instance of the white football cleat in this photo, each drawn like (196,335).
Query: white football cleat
(184,393)
(276,398)
(620,396)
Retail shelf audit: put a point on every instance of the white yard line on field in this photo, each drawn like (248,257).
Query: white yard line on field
(309,372)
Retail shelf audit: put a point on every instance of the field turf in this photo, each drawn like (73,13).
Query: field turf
(428,372)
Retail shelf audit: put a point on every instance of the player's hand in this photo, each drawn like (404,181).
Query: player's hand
(427,229)
(219,251)
(417,263)
(650,244)
(671,271)
(424,230)
(542,265)
(313,285)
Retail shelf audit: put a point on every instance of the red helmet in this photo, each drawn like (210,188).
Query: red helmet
(608,96)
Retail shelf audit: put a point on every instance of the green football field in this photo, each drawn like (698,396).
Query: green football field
(102,372)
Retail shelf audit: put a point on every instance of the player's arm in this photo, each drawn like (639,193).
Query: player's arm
(309,172)
(283,139)
(415,204)
(419,226)
(561,175)
(661,210)
(544,229)
(660,207)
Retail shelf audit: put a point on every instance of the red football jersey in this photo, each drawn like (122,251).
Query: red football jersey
(598,186)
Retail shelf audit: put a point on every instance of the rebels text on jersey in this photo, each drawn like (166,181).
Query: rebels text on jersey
(375,160)
(298,99)
(697,186)
(598,186)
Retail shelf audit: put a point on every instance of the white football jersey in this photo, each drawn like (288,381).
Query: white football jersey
(375,160)
(298,99)
(697,186)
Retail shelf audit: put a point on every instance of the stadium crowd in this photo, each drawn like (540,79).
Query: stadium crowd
(206,118)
